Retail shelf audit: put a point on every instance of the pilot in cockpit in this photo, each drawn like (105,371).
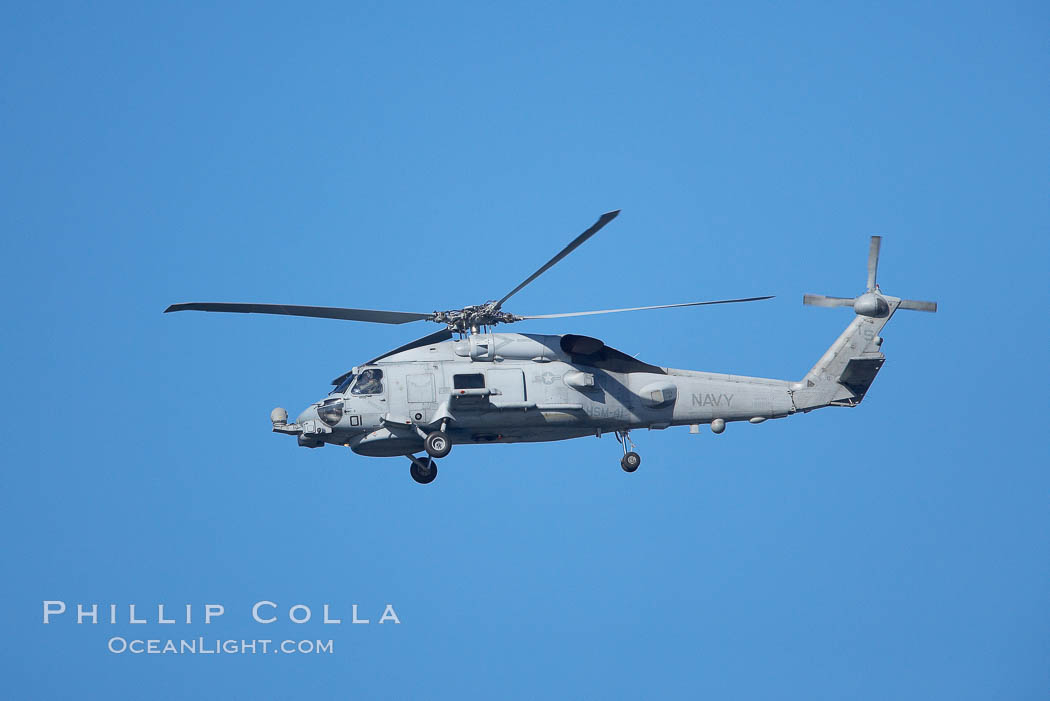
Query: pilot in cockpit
(370,382)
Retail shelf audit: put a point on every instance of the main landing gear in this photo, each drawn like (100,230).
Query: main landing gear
(437,444)
(631,460)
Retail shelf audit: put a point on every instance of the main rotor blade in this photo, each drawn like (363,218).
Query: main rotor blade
(822,301)
(373,315)
(873,261)
(576,242)
(917,305)
(639,309)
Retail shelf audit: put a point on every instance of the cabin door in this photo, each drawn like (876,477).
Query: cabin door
(421,397)
(510,383)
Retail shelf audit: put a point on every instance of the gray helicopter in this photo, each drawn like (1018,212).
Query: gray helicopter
(466,384)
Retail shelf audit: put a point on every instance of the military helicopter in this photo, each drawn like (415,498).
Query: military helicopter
(466,384)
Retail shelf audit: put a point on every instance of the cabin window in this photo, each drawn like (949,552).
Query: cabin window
(368,382)
(472,381)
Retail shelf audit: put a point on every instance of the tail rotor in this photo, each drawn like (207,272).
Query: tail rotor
(873,302)
(845,372)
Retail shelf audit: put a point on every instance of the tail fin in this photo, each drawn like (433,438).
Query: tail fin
(845,372)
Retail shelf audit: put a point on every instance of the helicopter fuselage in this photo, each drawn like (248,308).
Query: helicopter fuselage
(509,388)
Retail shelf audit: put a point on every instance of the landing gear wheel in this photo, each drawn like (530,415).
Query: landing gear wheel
(437,444)
(424,470)
(631,461)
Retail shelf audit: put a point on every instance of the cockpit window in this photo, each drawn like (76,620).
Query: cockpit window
(344,384)
(369,382)
(331,411)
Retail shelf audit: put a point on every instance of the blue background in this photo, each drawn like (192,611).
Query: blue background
(424,157)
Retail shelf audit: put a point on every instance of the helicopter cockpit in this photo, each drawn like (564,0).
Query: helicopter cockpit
(365,383)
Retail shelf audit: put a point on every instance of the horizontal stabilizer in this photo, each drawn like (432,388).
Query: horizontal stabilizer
(858,375)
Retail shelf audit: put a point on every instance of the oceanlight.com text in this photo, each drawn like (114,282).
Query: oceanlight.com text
(214,646)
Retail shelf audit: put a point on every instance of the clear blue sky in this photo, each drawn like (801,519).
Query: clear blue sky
(249,153)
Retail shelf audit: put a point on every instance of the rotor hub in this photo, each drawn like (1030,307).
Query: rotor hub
(474,317)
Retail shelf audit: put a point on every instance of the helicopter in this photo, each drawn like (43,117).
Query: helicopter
(467,384)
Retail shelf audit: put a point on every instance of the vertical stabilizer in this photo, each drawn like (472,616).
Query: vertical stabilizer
(845,372)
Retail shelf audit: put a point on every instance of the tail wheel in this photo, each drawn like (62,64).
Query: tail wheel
(631,461)
(437,444)
(424,470)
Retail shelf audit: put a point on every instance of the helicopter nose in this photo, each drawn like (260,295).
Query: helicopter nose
(309,414)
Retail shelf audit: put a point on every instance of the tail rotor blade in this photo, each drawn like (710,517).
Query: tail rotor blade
(873,261)
(822,301)
(917,305)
